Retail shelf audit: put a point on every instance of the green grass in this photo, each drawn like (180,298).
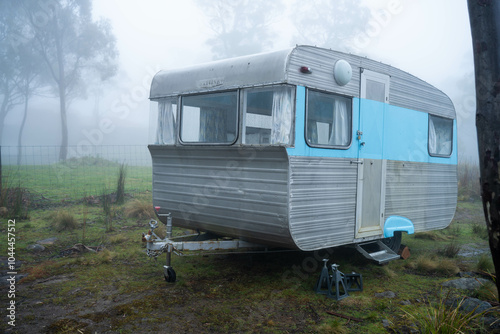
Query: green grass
(69,182)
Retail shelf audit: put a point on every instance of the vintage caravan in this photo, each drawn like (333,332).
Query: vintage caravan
(305,148)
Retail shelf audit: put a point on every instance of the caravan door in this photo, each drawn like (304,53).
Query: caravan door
(371,166)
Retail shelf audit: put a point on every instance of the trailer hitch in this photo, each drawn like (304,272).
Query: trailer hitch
(156,246)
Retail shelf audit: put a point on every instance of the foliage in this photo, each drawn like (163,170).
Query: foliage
(14,202)
(481,230)
(440,318)
(240,27)
(451,250)
(329,24)
(64,221)
(59,41)
(485,263)
(139,209)
(468,181)
(120,188)
(429,264)
(106,207)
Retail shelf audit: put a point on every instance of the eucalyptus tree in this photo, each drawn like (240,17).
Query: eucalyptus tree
(484,18)
(73,46)
(9,61)
(332,23)
(240,27)
(31,79)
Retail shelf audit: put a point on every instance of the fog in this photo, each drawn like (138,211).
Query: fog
(429,39)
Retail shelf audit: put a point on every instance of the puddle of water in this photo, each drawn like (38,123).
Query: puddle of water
(468,251)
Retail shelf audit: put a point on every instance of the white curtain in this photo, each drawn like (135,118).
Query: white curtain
(339,135)
(440,135)
(165,132)
(282,116)
(432,137)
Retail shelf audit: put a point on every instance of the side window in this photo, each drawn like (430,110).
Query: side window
(163,121)
(440,136)
(267,115)
(375,86)
(328,120)
(209,118)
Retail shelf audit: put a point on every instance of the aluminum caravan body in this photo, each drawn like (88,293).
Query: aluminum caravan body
(305,148)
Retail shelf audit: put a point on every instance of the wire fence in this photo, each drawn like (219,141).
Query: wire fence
(94,172)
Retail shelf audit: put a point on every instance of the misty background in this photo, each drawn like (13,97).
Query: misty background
(429,39)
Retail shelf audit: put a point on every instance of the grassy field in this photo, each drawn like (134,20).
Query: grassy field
(75,179)
(118,289)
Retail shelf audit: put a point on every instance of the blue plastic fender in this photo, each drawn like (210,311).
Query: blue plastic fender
(397,223)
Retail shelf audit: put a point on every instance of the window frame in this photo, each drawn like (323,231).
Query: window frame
(306,115)
(243,108)
(199,143)
(376,77)
(428,135)
(153,127)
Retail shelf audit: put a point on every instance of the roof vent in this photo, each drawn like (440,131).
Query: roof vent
(342,72)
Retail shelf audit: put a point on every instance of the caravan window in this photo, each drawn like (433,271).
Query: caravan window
(440,136)
(209,118)
(267,115)
(328,120)
(163,121)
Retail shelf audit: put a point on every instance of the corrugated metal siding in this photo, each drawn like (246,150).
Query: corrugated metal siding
(322,201)
(282,66)
(424,193)
(406,90)
(258,69)
(239,192)
(321,62)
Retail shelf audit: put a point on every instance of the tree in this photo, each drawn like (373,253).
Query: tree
(484,16)
(30,74)
(72,46)
(327,23)
(9,61)
(241,27)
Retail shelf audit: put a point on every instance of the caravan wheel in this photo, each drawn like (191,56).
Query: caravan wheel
(393,242)
(170,275)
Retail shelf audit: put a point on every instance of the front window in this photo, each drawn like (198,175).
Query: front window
(163,121)
(209,118)
(267,115)
(440,136)
(328,120)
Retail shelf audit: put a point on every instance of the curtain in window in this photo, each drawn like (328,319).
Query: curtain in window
(432,137)
(440,136)
(282,116)
(165,133)
(340,127)
(213,125)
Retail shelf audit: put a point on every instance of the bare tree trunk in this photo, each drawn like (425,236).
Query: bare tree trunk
(484,18)
(21,128)
(63,153)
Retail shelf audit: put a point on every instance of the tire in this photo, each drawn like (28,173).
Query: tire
(393,242)
(170,275)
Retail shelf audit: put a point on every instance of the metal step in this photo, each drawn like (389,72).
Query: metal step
(377,251)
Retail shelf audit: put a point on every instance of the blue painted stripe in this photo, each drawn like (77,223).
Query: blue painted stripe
(389,132)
